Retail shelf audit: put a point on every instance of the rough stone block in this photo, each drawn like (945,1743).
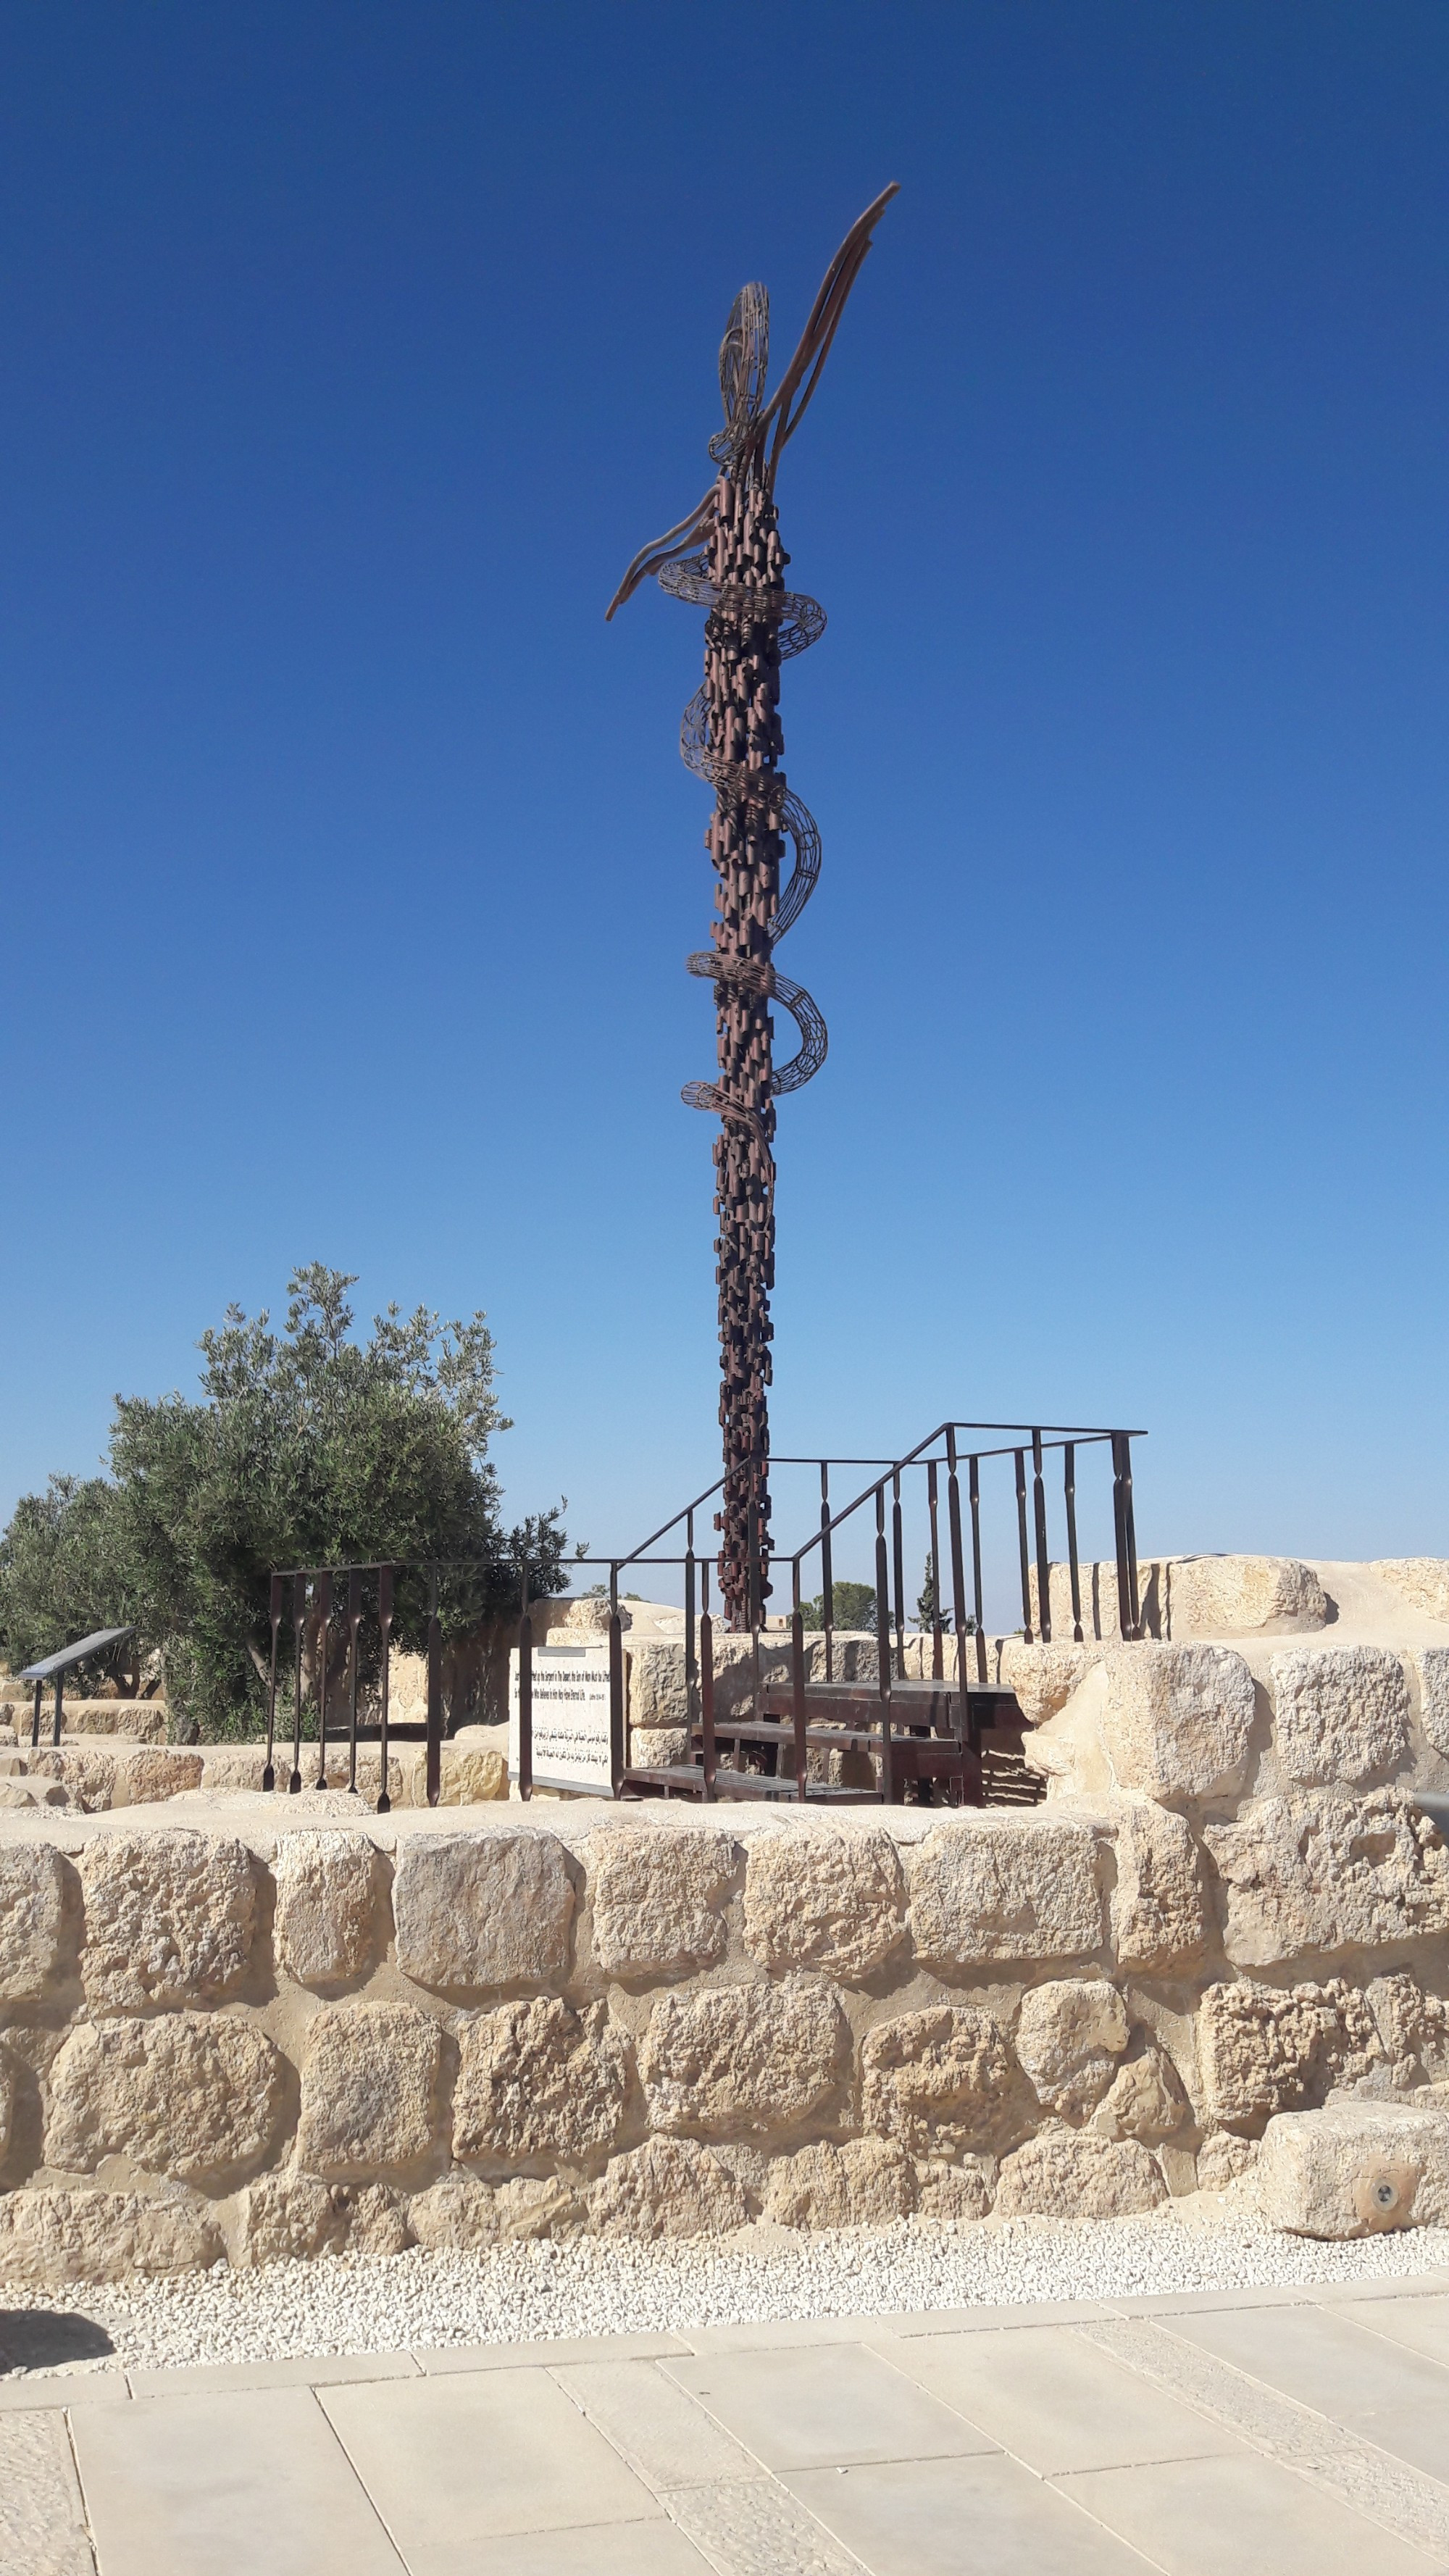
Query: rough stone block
(1413,2028)
(146,1773)
(471,1775)
(1264,2049)
(455,2216)
(369,2091)
(1177,1720)
(378,2223)
(482,1910)
(1069,2036)
(1354,2169)
(87,1777)
(943,2081)
(866,2183)
(1433,1664)
(193,2095)
(667,2187)
(1234,1596)
(325,1927)
(1144,2100)
(817,1899)
(1009,1887)
(102,2236)
(1158,1916)
(289,2218)
(1342,1714)
(1326,1872)
(1223,2159)
(1043,1677)
(743,2059)
(1070,2173)
(954,2195)
(539,2079)
(528,2208)
(658,1899)
(9,2087)
(1421,1580)
(34,1889)
(169,1919)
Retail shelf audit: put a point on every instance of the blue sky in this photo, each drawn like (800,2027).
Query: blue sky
(350,867)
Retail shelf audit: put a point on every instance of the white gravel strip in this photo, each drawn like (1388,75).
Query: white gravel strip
(588,2286)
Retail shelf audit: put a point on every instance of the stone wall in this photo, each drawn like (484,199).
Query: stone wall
(236,2029)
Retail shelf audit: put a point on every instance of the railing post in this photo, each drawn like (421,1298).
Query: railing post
(933,1517)
(691,1656)
(883,1651)
(797,1687)
(435,1692)
(706,1684)
(1021,1540)
(1043,1559)
(354,1623)
(322,1603)
(59,1703)
(1122,1445)
(958,1584)
(384,1620)
(974,1473)
(35,1719)
(617,1747)
(1069,1492)
(299,1623)
(827,1578)
(525,1691)
(898,1569)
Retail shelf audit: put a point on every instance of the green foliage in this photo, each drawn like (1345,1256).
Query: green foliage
(308,1448)
(853,1604)
(63,1573)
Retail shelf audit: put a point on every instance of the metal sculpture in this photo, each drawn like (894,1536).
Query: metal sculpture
(727,557)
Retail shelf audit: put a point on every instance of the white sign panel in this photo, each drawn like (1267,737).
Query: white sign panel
(570,1718)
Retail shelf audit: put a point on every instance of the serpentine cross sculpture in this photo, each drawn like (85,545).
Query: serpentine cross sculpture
(727,557)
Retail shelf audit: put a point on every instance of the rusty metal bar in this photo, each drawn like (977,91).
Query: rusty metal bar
(1129,1532)
(1069,1495)
(354,1624)
(299,1624)
(827,1578)
(691,1652)
(933,1518)
(525,1691)
(35,1719)
(974,1472)
(706,1686)
(1022,1546)
(322,1604)
(1043,1559)
(797,1682)
(435,1693)
(59,1706)
(384,1620)
(618,1743)
(898,1570)
(883,1651)
(958,1581)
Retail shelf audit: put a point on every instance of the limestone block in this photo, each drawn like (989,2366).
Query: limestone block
(954,2195)
(483,1909)
(1264,2049)
(102,2235)
(234,1766)
(34,1887)
(658,1747)
(1158,1917)
(539,2079)
(1044,1677)
(141,1721)
(658,1899)
(454,2216)
(943,2081)
(1433,1663)
(1354,2169)
(1342,1714)
(1223,2159)
(87,1777)
(369,2090)
(528,2208)
(1008,1886)
(817,1899)
(325,1928)
(378,2222)
(1144,2100)
(1231,1596)
(1070,2173)
(291,2217)
(146,1773)
(668,2187)
(1069,2036)
(470,1775)
(866,2183)
(1177,1720)
(9,2086)
(1413,2027)
(169,1919)
(1328,1872)
(739,2060)
(192,2095)
(1423,1581)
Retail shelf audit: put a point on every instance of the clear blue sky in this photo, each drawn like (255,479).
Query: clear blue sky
(351,351)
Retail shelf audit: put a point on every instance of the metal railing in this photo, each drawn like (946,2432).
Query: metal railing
(951,1458)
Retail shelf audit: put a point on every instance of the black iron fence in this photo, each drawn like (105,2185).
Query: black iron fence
(342,1618)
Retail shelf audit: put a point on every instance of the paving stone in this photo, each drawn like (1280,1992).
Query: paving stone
(42,2519)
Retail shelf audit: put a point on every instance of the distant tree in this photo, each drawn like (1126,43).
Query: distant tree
(63,1574)
(853,1605)
(308,1448)
(930,1608)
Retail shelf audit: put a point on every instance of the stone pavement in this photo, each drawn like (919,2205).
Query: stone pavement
(1287,2433)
